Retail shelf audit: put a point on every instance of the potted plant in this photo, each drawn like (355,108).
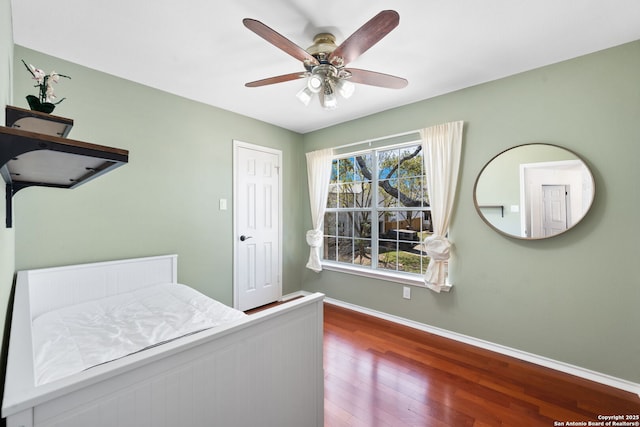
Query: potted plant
(44,102)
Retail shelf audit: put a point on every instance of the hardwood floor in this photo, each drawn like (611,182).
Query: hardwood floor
(378,373)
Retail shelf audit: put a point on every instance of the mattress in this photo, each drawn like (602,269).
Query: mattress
(75,338)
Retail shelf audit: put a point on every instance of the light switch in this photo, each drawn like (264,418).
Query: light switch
(223,204)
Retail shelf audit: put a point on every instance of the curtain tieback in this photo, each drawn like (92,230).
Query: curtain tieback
(438,247)
(314,238)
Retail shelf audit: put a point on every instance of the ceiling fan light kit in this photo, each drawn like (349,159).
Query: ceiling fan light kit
(345,88)
(314,83)
(305,95)
(328,98)
(324,61)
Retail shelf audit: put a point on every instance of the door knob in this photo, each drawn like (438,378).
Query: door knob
(243,238)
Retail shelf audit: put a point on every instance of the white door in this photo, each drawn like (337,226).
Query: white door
(257,211)
(554,209)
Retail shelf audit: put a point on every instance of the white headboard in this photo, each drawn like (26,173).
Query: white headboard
(52,288)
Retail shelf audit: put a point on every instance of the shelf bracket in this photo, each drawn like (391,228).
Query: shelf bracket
(9,205)
(11,188)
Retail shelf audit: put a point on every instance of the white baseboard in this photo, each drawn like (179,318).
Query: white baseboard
(518,354)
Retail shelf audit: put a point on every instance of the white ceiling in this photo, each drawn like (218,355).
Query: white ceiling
(200,50)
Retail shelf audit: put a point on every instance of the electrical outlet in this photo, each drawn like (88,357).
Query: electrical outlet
(406,292)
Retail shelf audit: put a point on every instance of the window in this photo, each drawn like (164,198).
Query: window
(378,211)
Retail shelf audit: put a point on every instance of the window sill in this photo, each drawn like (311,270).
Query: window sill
(405,279)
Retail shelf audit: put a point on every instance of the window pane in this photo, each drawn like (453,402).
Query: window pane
(332,197)
(330,248)
(410,221)
(409,262)
(388,260)
(387,243)
(346,169)
(334,171)
(362,254)
(345,250)
(410,192)
(425,194)
(388,193)
(427,221)
(388,164)
(346,196)
(410,161)
(362,224)
(364,198)
(330,223)
(345,224)
(364,167)
(388,221)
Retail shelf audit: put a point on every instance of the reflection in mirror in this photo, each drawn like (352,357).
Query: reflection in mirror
(534,191)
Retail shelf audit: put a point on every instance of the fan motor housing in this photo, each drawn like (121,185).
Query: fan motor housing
(323,45)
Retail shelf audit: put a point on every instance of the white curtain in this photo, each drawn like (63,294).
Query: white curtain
(318,176)
(442,145)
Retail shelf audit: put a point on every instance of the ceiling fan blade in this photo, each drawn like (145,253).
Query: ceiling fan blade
(279,41)
(365,37)
(373,78)
(277,79)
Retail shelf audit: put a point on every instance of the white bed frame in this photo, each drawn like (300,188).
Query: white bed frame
(265,370)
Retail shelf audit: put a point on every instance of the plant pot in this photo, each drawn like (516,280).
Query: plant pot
(36,105)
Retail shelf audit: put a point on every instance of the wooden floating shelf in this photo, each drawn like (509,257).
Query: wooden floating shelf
(34,151)
(37,122)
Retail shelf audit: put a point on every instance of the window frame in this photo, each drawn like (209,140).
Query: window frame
(409,278)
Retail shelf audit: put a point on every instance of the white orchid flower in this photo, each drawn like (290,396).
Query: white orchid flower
(38,74)
(54,77)
(49,94)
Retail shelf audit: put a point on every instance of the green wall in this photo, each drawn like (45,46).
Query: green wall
(165,200)
(572,298)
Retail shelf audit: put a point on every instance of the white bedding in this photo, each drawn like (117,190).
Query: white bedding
(75,338)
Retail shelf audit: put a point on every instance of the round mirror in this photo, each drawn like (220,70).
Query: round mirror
(534,191)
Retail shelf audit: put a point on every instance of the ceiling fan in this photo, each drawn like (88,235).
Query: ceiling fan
(324,62)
